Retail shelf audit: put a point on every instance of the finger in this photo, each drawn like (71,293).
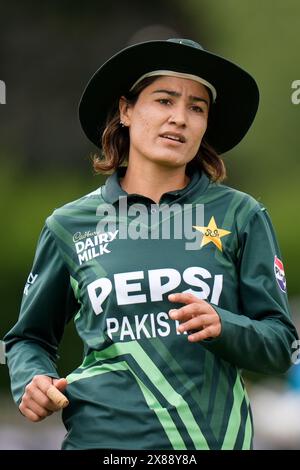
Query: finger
(187,312)
(36,391)
(61,384)
(37,409)
(29,414)
(206,333)
(184,297)
(41,382)
(196,323)
(42,399)
(58,398)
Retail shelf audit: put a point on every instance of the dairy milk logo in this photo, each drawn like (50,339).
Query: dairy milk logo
(90,245)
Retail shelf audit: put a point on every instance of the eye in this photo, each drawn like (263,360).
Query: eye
(165,101)
(197,109)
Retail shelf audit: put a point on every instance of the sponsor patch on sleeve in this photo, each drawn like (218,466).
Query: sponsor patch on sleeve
(279,274)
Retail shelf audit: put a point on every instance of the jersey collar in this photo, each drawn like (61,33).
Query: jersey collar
(112,190)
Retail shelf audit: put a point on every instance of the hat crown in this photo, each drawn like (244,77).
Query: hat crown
(186,42)
(231,115)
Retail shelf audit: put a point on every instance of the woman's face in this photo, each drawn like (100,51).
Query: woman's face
(167,122)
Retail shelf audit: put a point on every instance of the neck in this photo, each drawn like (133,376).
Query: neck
(153,180)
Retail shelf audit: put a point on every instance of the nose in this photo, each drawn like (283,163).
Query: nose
(178,116)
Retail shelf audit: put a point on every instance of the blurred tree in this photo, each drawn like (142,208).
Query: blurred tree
(48,52)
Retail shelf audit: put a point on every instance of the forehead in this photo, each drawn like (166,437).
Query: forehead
(181,85)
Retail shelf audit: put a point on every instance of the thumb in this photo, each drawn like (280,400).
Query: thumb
(60,384)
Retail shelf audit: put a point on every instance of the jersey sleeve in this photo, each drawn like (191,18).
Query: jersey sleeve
(260,338)
(48,304)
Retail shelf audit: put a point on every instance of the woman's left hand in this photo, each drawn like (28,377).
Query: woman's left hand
(196,315)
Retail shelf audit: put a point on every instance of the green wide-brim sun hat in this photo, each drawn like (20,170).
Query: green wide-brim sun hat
(231,115)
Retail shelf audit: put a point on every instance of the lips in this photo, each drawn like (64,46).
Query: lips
(173,136)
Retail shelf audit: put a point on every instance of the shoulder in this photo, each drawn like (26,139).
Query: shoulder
(237,206)
(229,192)
(235,197)
(81,204)
(65,215)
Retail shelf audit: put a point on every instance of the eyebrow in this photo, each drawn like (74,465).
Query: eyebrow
(177,95)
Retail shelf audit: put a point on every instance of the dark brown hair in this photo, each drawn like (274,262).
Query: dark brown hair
(115,144)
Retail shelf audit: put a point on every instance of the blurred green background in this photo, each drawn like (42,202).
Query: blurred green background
(49,50)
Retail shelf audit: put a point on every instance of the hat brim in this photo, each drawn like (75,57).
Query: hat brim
(231,115)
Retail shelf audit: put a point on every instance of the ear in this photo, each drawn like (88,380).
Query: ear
(125,111)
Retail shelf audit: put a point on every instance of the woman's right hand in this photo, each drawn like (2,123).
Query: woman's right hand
(35,404)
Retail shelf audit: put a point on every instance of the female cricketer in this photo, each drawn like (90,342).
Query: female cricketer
(174,280)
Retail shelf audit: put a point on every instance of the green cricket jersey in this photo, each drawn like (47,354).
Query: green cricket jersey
(142,385)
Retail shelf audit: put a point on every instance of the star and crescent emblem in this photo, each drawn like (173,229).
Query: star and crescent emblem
(212,234)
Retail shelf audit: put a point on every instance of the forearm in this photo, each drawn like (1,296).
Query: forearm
(48,304)
(263,346)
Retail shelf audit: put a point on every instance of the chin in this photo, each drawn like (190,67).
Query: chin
(171,161)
